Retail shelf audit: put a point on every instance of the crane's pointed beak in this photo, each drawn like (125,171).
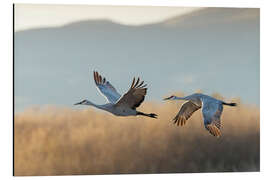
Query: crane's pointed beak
(77,103)
(166,98)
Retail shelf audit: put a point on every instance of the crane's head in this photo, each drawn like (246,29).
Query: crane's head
(83,102)
(170,98)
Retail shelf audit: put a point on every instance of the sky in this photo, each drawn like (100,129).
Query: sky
(37,15)
(213,50)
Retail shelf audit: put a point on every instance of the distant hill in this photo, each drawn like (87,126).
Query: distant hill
(213,49)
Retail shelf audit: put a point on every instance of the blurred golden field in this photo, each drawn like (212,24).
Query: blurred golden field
(53,140)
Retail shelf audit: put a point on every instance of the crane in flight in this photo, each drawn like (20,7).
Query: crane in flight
(211,109)
(118,105)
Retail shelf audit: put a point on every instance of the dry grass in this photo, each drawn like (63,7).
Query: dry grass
(64,141)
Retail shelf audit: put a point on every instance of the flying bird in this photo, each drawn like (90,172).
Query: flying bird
(118,105)
(211,109)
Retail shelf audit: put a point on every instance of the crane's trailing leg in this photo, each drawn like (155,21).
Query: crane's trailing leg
(152,115)
(229,104)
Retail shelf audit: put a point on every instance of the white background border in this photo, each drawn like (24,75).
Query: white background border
(6,55)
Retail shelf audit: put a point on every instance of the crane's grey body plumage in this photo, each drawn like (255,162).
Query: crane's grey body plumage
(211,109)
(120,105)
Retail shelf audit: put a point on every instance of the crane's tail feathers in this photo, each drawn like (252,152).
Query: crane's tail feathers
(152,115)
(229,104)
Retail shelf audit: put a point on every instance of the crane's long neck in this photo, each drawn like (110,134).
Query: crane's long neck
(180,98)
(195,100)
(89,103)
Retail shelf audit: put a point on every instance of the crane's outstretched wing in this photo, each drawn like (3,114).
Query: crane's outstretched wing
(186,110)
(106,89)
(135,95)
(211,115)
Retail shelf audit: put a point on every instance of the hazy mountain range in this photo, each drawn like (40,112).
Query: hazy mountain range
(212,49)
